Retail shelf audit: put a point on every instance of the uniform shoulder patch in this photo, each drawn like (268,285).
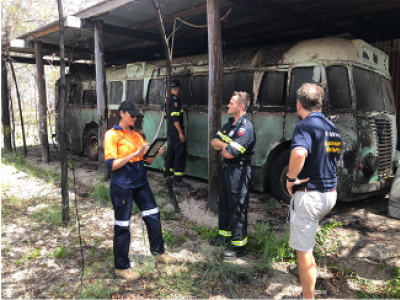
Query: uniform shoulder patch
(241,131)
(176,104)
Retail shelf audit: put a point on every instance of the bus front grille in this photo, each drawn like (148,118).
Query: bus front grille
(383,140)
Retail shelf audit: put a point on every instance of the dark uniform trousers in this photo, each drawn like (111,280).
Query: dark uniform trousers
(178,155)
(122,200)
(233,202)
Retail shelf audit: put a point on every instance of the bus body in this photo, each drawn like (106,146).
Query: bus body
(359,101)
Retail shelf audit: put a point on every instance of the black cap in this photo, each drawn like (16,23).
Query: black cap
(176,83)
(130,107)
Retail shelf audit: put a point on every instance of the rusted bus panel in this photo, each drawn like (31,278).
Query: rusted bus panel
(291,119)
(73,128)
(269,132)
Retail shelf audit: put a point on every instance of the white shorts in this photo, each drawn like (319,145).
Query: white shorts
(306,209)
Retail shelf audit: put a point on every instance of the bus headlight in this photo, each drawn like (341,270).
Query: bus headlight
(369,165)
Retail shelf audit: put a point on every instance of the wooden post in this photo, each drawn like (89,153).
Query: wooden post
(20,108)
(101,93)
(44,138)
(62,136)
(168,71)
(215,82)
(5,112)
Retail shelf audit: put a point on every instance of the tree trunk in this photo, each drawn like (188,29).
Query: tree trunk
(20,109)
(101,94)
(172,195)
(215,82)
(44,137)
(62,137)
(5,115)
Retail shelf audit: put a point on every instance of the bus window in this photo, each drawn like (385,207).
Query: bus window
(389,95)
(89,98)
(116,92)
(239,82)
(157,91)
(368,90)
(72,94)
(200,90)
(273,87)
(135,91)
(338,82)
(299,76)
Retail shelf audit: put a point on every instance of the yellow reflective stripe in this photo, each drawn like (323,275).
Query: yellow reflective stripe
(178,173)
(170,169)
(239,243)
(224,137)
(175,114)
(225,233)
(238,147)
(182,111)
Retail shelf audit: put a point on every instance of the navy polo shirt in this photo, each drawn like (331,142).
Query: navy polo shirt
(323,143)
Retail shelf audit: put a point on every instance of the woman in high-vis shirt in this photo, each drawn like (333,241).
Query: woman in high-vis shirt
(124,149)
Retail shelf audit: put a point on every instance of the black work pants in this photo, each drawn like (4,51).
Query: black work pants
(178,155)
(233,203)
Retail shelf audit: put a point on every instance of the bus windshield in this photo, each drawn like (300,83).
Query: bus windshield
(374,92)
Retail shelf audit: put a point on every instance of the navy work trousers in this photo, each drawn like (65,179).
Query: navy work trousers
(178,155)
(233,203)
(122,200)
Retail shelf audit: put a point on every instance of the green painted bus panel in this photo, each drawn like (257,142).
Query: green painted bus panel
(291,119)
(257,178)
(269,132)
(151,122)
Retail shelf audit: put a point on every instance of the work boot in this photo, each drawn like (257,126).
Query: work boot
(180,184)
(219,241)
(127,274)
(164,258)
(234,252)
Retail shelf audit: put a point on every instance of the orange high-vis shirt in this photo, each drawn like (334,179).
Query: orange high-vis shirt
(120,143)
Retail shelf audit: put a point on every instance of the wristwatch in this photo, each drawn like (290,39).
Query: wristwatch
(290,179)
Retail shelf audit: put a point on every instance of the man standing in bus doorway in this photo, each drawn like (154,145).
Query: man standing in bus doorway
(311,179)
(178,139)
(237,142)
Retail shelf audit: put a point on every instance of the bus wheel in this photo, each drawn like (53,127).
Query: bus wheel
(91,144)
(277,177)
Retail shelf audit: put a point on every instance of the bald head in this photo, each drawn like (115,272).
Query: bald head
(310,96)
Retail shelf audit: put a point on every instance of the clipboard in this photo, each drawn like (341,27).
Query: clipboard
(154,147)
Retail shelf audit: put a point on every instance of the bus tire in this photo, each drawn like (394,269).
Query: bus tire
(91,144)
(277,177)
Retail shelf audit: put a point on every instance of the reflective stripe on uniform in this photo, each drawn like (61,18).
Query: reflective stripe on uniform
(182,111)
(224,137)
(150,212)
(170,169)
(238,147)
(175,114)
(122,223)
(178,173)
(225,233)
(239,243)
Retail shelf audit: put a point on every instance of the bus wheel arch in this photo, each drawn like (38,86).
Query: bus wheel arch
(90,141)
(276,167)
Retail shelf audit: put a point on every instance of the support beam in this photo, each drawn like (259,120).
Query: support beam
(42,107)
(101,93)
(5,112)
(32,60)
(215,83)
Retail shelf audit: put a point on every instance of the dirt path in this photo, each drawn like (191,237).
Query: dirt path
(41,259)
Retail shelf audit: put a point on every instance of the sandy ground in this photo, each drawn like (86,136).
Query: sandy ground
(369,239)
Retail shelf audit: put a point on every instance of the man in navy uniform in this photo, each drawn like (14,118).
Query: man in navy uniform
(237,142)
(178,139)
(311,179)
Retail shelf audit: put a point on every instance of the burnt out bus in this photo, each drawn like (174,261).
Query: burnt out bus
(359,101)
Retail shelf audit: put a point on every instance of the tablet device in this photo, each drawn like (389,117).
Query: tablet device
(154,147)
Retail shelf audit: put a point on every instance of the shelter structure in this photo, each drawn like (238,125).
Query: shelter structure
(128,31)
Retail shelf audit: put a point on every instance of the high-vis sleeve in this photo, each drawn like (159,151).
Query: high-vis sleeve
(240,144)
(110,146)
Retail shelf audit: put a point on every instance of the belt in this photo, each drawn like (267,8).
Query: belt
(303,189)
(237,165)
